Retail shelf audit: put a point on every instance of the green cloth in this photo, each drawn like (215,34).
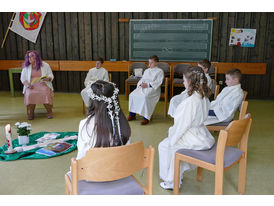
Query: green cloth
(30,154)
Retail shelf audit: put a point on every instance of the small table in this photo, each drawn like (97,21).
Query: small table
(11,72)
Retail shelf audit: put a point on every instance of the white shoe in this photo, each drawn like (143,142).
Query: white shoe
(166,185)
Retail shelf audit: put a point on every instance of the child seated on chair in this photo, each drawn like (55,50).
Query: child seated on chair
(228,101)
(96,73)
(188,131)
(106,124)
(176,100)
(144,98)
(205,65)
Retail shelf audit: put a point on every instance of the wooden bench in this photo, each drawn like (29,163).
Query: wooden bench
(246,68)
(111,66)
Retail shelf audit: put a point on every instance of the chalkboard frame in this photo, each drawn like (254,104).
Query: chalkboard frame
(132,41)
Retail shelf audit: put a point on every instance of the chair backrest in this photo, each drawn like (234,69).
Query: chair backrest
(216,91)
(110,77)
(165,67)
(108,164)
(243,109)
(180,69)
(136,65)
(238,131)
(245,95)
(213,71)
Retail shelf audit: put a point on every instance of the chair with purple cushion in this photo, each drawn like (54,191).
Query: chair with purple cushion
(222,125)
(132,80)
(109,171)
(220,157)
(177,79)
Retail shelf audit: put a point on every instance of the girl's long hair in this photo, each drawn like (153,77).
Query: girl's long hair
(38,61)
(197,81)
(103,126)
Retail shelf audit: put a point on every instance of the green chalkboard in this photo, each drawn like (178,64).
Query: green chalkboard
(170,39)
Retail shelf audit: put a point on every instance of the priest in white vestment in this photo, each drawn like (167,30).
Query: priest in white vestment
(188,131)
(228,101)
(94,74)
(144,98)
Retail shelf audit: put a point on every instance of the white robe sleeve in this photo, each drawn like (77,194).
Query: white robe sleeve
(24,75)
(80,142)
(48,71)
(182,122)
(106,76)
(157,81)
(88,78)
(228,108)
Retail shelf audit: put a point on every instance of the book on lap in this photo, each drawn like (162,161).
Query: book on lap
(38,79)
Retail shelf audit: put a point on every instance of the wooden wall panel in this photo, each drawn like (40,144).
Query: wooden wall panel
(85,36)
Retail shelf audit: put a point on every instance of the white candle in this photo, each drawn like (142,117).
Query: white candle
(8,136)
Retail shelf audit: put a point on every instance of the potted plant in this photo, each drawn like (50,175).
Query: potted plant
(23,130)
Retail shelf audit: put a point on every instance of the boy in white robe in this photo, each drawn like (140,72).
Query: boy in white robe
(144,98)
(205,65)
(228,101)
(94,74)
(188,131)
(176,100)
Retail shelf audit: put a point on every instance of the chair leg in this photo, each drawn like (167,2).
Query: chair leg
(166,97)
(199,173)
(83,107)
(219,180)
(242,176)
(176,176)
(126,90)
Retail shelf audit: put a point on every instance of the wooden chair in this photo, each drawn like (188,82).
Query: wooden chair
(110,171)
(167,71)
(177,79)
(222,125)
(216,89)
(245,95)
(132,80)
(220,157)
(83,103)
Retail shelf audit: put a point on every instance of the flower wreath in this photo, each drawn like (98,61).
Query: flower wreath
(110,101)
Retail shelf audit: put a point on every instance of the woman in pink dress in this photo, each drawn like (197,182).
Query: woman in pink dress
(37,92)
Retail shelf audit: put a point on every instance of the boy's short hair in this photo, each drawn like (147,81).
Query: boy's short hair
(100,59)
(205,63)
(155,58)
(235,73)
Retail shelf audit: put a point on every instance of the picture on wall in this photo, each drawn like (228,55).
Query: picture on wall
(242,37)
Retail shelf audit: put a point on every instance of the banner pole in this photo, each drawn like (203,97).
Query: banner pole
(11,20)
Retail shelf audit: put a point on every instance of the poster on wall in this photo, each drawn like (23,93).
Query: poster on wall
(242,37)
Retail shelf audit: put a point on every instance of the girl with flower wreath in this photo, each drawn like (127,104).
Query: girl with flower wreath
(106,124)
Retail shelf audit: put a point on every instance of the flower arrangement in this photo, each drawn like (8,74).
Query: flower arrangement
(23,129)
